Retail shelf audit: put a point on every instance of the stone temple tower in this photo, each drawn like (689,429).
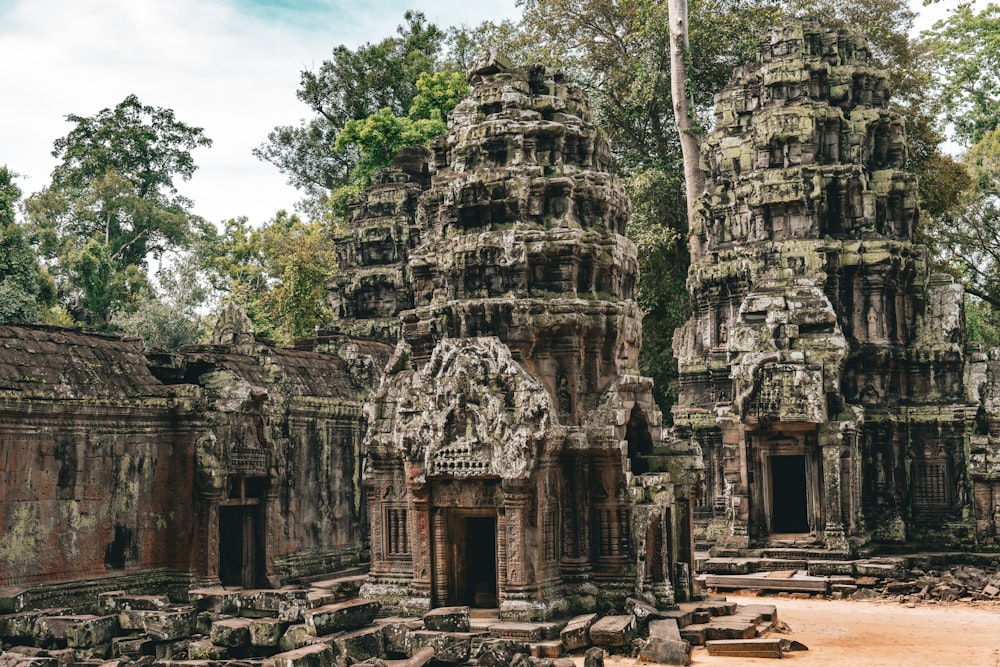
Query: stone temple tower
(822,368)
(513,455)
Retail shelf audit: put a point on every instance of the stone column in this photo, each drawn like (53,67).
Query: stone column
(516,500)
(734,466)
(831,435)
(421,537)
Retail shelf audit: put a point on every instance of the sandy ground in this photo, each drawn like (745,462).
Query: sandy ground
(847,633)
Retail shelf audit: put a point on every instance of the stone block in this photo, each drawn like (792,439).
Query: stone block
(91,631)
(730,629)
(218,600)
(204,649)
(594,657)
(396,633)
(666,651)
(450,647)
(683,617)
(360,644)
(313,655)
(552,648)
(882,570)
(349,615)
(113,602)
(664,629)
(613,631)
(694,633)
(287,604)
(499,652)
(576,634)
(746,648)
(231,632)
(162,625)
(12,600)
(265,631)
(132,648)
(11,659)
(447,619)
(765,612)
(821,568)
(295,636)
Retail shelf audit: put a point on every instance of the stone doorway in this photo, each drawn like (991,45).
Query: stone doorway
(473,572)
(788,494)
(241,534)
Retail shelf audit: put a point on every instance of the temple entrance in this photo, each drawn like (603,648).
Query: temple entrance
(788,495)
(473,580)
(241,534)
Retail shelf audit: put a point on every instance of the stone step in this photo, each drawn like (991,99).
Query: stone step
(349,615)
(764,581)
(765,647)
(804,553)
(343,588)
(614,632)
(527,631)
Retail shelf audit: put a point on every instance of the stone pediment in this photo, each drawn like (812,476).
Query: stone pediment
(471,411)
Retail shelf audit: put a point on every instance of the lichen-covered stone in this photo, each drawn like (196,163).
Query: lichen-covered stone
(823,360)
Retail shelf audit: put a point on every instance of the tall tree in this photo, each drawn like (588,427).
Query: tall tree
(351,85)
(684,109)
(25,288)
(113,204)
(967,49)
(276,273)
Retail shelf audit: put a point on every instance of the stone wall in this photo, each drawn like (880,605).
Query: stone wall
(119,464)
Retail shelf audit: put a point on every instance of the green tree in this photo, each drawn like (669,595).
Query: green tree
(277,273)
(113,204)
(25,289)
(967,61)
(351,85)
(171,317)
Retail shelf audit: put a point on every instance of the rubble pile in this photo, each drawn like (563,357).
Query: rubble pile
(326,624)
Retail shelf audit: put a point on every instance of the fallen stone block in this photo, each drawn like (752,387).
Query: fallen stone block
(396,633)
(265,631)
(349,615)
(231,632)
(766,612)
(360,644)
(730,630)
(499,652)
(204,649)
(91,631)
(287,604)
(990,591)
(10,659)
(172,650)
(576,634)
(613,631)
(594,657)
(525,632)
(113,602)
(562,662)
(218,600)
(882,570)
(682,617)
(450,647)
(166,625)
(767,647)
(313,655)
(418,659)
(447,619)
(666,651)
(664,629)
(694,633)
(132,648)
(167,662)
(552,648)
(295,636)
(12,600)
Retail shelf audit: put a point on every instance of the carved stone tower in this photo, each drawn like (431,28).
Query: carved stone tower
(506,439)
(821,372)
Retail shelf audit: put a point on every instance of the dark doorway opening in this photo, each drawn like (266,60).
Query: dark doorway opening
(788,495)
(475,567)
(241,551)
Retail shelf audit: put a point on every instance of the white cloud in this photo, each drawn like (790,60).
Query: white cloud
(230,69)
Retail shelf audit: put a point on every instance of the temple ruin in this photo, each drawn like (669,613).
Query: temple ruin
(825,379)
(472,429)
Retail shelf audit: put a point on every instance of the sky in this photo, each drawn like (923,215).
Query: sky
(229,66)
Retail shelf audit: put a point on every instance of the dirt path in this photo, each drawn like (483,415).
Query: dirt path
(847,633)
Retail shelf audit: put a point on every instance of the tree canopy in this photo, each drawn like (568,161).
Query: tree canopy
(25,288)
(113,204)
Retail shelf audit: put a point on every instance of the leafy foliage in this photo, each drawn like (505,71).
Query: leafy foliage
(113,204)
(277,273)
(351,86)
(172,317)
(25,288)
(967,60)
